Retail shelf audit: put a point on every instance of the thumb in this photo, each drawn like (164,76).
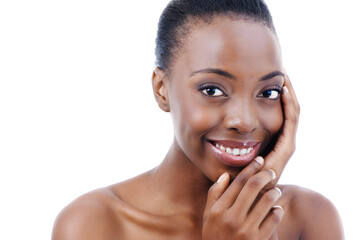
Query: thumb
(216,191)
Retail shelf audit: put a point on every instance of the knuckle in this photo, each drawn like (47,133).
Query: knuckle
(230,223)
(270,197)
(242,234)
(276,218)
(241,180)
(245,233)
(293,118)
(215,212)
(244,176)
(255,183)
(296,118)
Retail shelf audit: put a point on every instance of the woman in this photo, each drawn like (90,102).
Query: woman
(219,73)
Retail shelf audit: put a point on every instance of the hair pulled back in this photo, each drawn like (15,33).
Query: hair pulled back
(173,24)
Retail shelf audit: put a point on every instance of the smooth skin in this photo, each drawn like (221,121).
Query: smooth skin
(192,194)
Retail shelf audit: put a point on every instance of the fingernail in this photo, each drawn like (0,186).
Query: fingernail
(259,160)
(278,189)
(221,178)
(285,90)
(273,173)
(277,206)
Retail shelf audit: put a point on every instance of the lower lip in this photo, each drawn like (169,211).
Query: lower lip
(232,160)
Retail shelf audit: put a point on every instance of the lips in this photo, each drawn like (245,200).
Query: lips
(234,153)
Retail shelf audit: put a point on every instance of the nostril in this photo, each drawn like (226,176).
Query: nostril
(242,126)
(243,130)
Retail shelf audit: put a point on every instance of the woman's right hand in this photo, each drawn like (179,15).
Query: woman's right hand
(234,211)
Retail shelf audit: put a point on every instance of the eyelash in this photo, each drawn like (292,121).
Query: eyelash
(277,89)
(206,86)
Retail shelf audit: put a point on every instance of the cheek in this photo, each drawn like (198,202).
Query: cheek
(271,118)
(192,119)
(189,113)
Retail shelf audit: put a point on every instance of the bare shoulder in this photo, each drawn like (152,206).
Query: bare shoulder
(316,216)
(91,216)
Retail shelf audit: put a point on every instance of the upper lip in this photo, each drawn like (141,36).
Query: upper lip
(234,143)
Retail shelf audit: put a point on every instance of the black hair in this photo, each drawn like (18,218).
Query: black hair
(173,24)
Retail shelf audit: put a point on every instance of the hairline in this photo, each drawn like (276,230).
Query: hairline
(194,21)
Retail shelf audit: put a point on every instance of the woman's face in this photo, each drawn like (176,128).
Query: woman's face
(224,94)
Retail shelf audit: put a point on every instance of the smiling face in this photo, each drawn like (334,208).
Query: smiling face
(223,93)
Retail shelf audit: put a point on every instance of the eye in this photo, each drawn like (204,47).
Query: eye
(211,90)
(272,94)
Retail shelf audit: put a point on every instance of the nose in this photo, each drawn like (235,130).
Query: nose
(241,118)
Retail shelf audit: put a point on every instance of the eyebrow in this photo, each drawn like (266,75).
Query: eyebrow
(272,75)
(232,77)
(215,71)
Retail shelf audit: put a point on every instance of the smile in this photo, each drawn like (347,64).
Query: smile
(234,151)
(237,154)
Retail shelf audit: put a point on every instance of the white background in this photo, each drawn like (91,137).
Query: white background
(77,111)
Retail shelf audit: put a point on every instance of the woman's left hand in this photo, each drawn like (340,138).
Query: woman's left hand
(274,236)
(285,145)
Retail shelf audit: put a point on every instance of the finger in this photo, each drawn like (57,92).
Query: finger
(289,85)
(285,145)
(230,195)
(287,137)
(274,236)
(250,192)
(216,191)
(272,220)
(263,206)
(293,99)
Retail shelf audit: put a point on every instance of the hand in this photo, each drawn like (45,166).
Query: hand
(285,144)
(235,212)
(274,236)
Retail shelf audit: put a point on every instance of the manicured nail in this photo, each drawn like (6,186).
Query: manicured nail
(273,173)
(278,189)
(285,89)
(259,160)
(277,206)
(221,178)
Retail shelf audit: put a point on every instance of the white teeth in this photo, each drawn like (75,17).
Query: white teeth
(229,151)
(249,150)
(243,151)
(235,151)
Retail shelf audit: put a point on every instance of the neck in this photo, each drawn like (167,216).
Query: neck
(184,184)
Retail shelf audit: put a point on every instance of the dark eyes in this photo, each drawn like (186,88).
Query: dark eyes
(212,90)
(272,94)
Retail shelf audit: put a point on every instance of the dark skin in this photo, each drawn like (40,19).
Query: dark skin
(192,194)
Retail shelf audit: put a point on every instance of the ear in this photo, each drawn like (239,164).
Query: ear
(160,89)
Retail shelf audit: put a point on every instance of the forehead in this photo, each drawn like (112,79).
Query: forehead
(240,46)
